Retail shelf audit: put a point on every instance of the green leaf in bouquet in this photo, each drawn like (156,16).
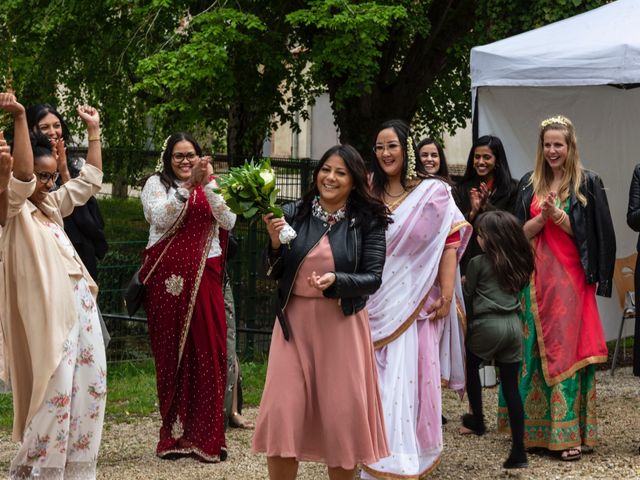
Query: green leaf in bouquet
(273,196)
(245,194)
(277,211)
(234,206)
(249,214)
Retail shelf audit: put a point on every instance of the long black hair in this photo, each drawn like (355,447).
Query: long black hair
(501,173)
(403,131)
(362,207)
(35,113)
(507,247)
(167,176)
(443,170)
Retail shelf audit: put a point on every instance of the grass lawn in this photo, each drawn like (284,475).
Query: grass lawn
(124,219)
(132,391)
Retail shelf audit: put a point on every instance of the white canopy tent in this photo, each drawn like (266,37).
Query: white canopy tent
(586,67)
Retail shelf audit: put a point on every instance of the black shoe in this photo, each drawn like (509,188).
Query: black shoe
(516,460)
(444,420)
(474,424)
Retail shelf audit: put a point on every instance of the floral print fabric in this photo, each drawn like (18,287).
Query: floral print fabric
(63,438)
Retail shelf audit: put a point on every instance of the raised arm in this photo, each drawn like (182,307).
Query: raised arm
(22,154)
(91,119)
(6,164)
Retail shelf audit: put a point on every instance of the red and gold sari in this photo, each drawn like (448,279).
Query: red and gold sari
(187,329)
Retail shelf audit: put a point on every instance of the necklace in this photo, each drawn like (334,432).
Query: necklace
(395,196)
(322,214)
(392,206)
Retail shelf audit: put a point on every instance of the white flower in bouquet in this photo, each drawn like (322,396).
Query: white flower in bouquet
(250,191)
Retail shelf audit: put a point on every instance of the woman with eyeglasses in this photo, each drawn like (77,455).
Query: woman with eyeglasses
(182,269)
(54,348)
(85,226)
(417,338)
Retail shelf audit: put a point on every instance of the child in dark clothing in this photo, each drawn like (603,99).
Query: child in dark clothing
(491,290)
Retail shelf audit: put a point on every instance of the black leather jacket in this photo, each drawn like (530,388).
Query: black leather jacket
(592,227)
(358,254)
(633,211)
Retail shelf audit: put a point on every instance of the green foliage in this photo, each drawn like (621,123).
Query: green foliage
(243,67)
(131,390)
(253,378)
(250,190)
(124,219)
(6,412)
(346,42)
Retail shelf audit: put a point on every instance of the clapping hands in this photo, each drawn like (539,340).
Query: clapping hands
(548,206)
(478,198)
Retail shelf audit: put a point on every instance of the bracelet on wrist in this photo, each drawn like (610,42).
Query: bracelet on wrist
(560,218)
(94,138)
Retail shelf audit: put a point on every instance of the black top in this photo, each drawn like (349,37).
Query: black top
(593,232)
(498,200)
(358,254)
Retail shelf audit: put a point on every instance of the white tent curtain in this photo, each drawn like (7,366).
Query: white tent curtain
(570,68)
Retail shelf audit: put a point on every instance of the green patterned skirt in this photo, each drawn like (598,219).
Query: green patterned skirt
(555,417)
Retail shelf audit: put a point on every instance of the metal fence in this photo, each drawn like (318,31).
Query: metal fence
(253,293)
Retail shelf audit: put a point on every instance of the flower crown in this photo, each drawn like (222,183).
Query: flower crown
(160,162)
(558,119)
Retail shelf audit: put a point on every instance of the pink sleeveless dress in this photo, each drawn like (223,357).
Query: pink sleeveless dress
(321,401)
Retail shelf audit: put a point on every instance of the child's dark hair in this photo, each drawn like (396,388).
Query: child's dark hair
(507,247)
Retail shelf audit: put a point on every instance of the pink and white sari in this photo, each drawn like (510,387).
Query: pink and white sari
(414,354)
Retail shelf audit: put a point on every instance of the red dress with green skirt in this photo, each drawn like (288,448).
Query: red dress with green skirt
(563,339)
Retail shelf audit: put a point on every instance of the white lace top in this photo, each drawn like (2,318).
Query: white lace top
(162,208)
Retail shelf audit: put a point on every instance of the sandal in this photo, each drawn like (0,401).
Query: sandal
(236,420)
(571,454)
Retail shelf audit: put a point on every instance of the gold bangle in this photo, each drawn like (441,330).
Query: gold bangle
(95,138)
(560,220)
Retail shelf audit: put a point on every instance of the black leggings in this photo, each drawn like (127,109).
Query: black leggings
(509,378)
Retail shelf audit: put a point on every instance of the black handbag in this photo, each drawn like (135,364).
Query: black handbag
(134,293)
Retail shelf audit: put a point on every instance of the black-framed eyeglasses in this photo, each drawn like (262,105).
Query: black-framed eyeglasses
(179,156)
(45,177)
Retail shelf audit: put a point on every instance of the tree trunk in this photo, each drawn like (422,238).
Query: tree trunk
(119,187)
(244,135)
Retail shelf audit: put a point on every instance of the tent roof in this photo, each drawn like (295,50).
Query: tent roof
(598,47)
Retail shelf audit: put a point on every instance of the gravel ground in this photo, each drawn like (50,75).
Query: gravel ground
(127,448)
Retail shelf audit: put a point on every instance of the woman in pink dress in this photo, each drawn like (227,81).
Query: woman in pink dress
(321,400)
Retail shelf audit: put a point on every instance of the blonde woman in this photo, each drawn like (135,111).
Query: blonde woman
(566,215)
